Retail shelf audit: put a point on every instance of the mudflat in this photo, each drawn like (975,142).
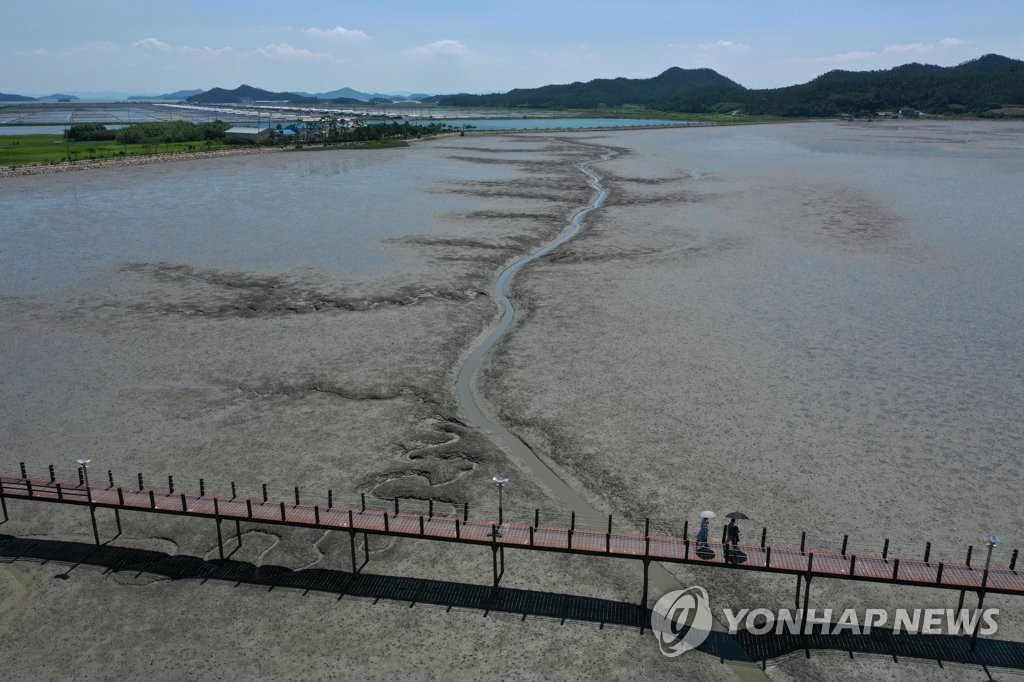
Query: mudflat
(811,323)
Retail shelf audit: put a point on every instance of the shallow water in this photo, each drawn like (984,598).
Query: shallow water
(321,212)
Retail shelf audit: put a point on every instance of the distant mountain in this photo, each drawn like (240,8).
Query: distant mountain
(4,97)
(245,94)
(176,96)
(349,93)
(599,92)
(975,87)
(58,98)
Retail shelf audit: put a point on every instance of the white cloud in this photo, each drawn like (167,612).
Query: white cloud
(927,47)
(205,51)
(286,51)
(442,48)
(151,44)
(899,49)
(349,35)
(723,45)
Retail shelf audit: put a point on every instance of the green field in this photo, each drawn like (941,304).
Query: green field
(19,150)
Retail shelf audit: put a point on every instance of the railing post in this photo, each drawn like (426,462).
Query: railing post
(184,505)
(170,484)
(430,508)
(531,536)
(152,499)
(895,569)
(330,499)
(282,511)
(938,576)
(686,531)
(725,532)
(572,523)
(609,524)
(458,529)
(768,557)
(202,488)
(1013,560)
(853,565)
(234,493)
(362,502)
(764,535)
(803,541)
(141,486)
(110,477)
(927,551)
(3,500)
(24,475)
(120,497)
(536,518)
(422,529)
(396,506)
(316,515)
(53,477)
(465,512)
(60,491)
(845,538)
(885,549)
(387,529)
(970,551)
(248,507)
(216,518)
(296,496)
(264,492)
(810,563)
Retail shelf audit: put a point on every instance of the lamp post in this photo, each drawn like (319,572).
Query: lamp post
(500,481)
(84,463)
(990,541)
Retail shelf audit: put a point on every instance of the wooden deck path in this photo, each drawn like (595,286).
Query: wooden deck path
(807,562)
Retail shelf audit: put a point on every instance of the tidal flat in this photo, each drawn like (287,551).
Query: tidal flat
(817,324)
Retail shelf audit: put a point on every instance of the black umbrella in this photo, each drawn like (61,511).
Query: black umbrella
(740,516)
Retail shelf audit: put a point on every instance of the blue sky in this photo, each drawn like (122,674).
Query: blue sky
(454,46)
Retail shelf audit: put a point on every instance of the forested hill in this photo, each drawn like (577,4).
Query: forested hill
(976,87)
(979,87)
(600,92)
(246,93)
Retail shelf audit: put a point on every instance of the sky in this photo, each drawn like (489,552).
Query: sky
(449,46)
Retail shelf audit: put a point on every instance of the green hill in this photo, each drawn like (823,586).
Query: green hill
(600,92)
(976,87)
(245,94)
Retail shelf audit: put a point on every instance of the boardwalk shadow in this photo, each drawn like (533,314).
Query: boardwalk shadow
(483,598)
(989,653)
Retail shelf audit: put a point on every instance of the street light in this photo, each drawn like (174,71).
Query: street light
(84,463)
(990,541)
(500,481)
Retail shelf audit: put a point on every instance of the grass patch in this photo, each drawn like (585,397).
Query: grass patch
(19,150)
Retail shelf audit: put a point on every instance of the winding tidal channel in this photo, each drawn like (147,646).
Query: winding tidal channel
(476,414)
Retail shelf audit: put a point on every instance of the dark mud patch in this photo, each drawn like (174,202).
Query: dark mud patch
(324,387)
(680,197)
(219,294)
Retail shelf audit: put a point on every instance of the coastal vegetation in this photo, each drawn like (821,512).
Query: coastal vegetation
(93,141)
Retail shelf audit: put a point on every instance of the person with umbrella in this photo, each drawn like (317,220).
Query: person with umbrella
(705,525)
(733,533)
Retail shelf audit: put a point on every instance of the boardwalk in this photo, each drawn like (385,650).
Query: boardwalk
(806,562)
